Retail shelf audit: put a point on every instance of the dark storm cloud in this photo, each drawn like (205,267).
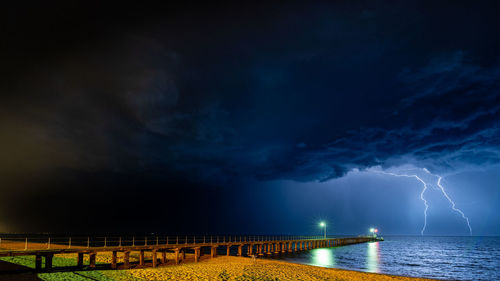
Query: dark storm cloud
(450,119)
(290,108)
(217,95)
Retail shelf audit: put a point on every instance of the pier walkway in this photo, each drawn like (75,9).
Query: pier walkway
(245,245)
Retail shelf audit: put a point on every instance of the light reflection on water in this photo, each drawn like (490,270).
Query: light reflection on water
(449,258)
(372,257)
(323,257)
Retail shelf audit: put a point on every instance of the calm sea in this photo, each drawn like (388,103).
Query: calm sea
(448,258)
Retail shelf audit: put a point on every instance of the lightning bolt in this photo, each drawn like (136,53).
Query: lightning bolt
(453,205)
(421,194)
(440,187)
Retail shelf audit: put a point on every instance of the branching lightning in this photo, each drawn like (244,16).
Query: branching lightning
(453,206)
(421,194)
(440,187)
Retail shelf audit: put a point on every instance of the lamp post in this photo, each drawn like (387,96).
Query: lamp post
(323,224)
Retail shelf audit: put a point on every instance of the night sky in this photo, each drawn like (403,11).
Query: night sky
(251,118)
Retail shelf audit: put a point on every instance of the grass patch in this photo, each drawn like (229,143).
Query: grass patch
(29,261)
(115,275)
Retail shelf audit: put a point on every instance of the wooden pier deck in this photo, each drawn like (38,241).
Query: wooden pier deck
(257,247)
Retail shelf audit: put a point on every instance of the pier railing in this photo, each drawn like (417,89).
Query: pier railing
(9,243)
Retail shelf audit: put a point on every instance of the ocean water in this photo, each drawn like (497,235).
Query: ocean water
(447,258)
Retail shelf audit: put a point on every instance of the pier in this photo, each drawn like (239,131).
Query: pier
(210,246)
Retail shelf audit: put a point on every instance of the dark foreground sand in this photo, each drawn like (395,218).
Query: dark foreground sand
(10,271)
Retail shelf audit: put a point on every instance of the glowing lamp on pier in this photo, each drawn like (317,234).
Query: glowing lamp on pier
(323,224)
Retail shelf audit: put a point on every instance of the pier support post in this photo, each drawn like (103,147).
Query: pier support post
(228,248)
(92,259)
(38,263)
(126,259)
(48,262)
(250,249)
(259,247)
(213,251)
(183,254)
(141,258)
(155,257)
(113,260)
(176,255)
(269,250)
(79,260)
(196,254)
(240,250)
(164,256)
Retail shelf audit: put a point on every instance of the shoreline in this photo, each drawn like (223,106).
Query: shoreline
(359,271)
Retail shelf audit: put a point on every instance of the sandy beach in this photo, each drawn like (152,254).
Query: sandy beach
(240,268)
(219,268)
